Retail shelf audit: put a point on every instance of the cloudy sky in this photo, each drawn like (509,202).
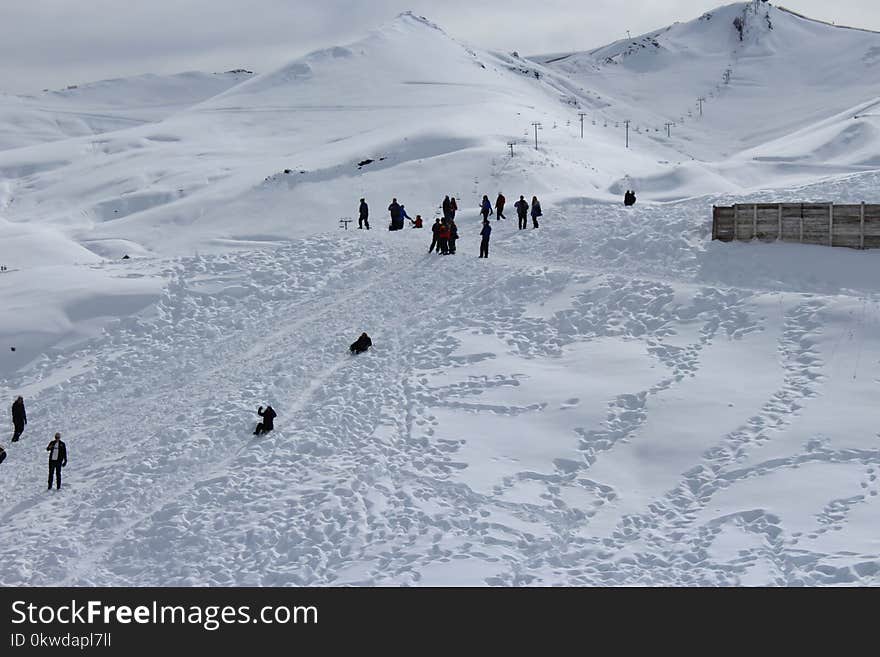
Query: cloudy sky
(53,43)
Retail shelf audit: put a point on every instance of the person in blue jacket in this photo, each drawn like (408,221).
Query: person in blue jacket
(486,207)
(403,215)
(485,233)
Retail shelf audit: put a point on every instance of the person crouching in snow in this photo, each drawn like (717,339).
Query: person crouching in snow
(268,414)
(361,344)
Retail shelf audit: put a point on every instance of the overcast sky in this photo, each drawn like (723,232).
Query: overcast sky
(53,43)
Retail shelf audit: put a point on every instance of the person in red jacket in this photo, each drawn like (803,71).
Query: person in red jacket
(443,238)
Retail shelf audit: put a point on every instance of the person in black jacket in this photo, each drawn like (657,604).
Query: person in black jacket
(268,422)
(453,236)
(484,243)
(447,208)
(19,418)
(361,344)
(522,212)
(364,215)
(536,211)
(57,459)
(396,217)
(435,241)
(499,207)
(2,454)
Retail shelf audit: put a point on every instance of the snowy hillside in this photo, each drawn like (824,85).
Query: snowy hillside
(100,107)
(611,398)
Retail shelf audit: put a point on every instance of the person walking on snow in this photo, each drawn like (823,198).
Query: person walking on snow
(57,460)
(268,414)
(485,207)
(522,212)
(19,418)
(499,207)
(435,240)
(364,215)
(485,233)
(536,211)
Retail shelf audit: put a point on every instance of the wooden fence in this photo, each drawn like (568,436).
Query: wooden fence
(853,226)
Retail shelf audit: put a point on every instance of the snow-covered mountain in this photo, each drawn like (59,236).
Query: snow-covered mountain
(609,399)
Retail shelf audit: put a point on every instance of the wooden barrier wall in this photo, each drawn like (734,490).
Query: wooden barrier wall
(853,226)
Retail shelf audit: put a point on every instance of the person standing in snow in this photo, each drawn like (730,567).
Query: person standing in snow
(364,215)
(485,207)
(536,211)
(57,459)
(453,236)
(447,208)
(435,240)
(443,238)
(485,233)
(499,207)
(19,418)
(268,414)
(522,212)
(2,453)
(453,208)
(394,209)
(403,215)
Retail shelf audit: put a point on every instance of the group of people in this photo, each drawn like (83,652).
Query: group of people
(444,232)
(523,209)
(268,413)
(629,198)
(56,447)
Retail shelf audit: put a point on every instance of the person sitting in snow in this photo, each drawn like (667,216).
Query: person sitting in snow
(268,414)
(361,344)
(417,222)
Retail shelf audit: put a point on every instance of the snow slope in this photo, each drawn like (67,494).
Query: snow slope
(105,106)
(610,399)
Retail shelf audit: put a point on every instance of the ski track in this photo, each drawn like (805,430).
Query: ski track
(358,484)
